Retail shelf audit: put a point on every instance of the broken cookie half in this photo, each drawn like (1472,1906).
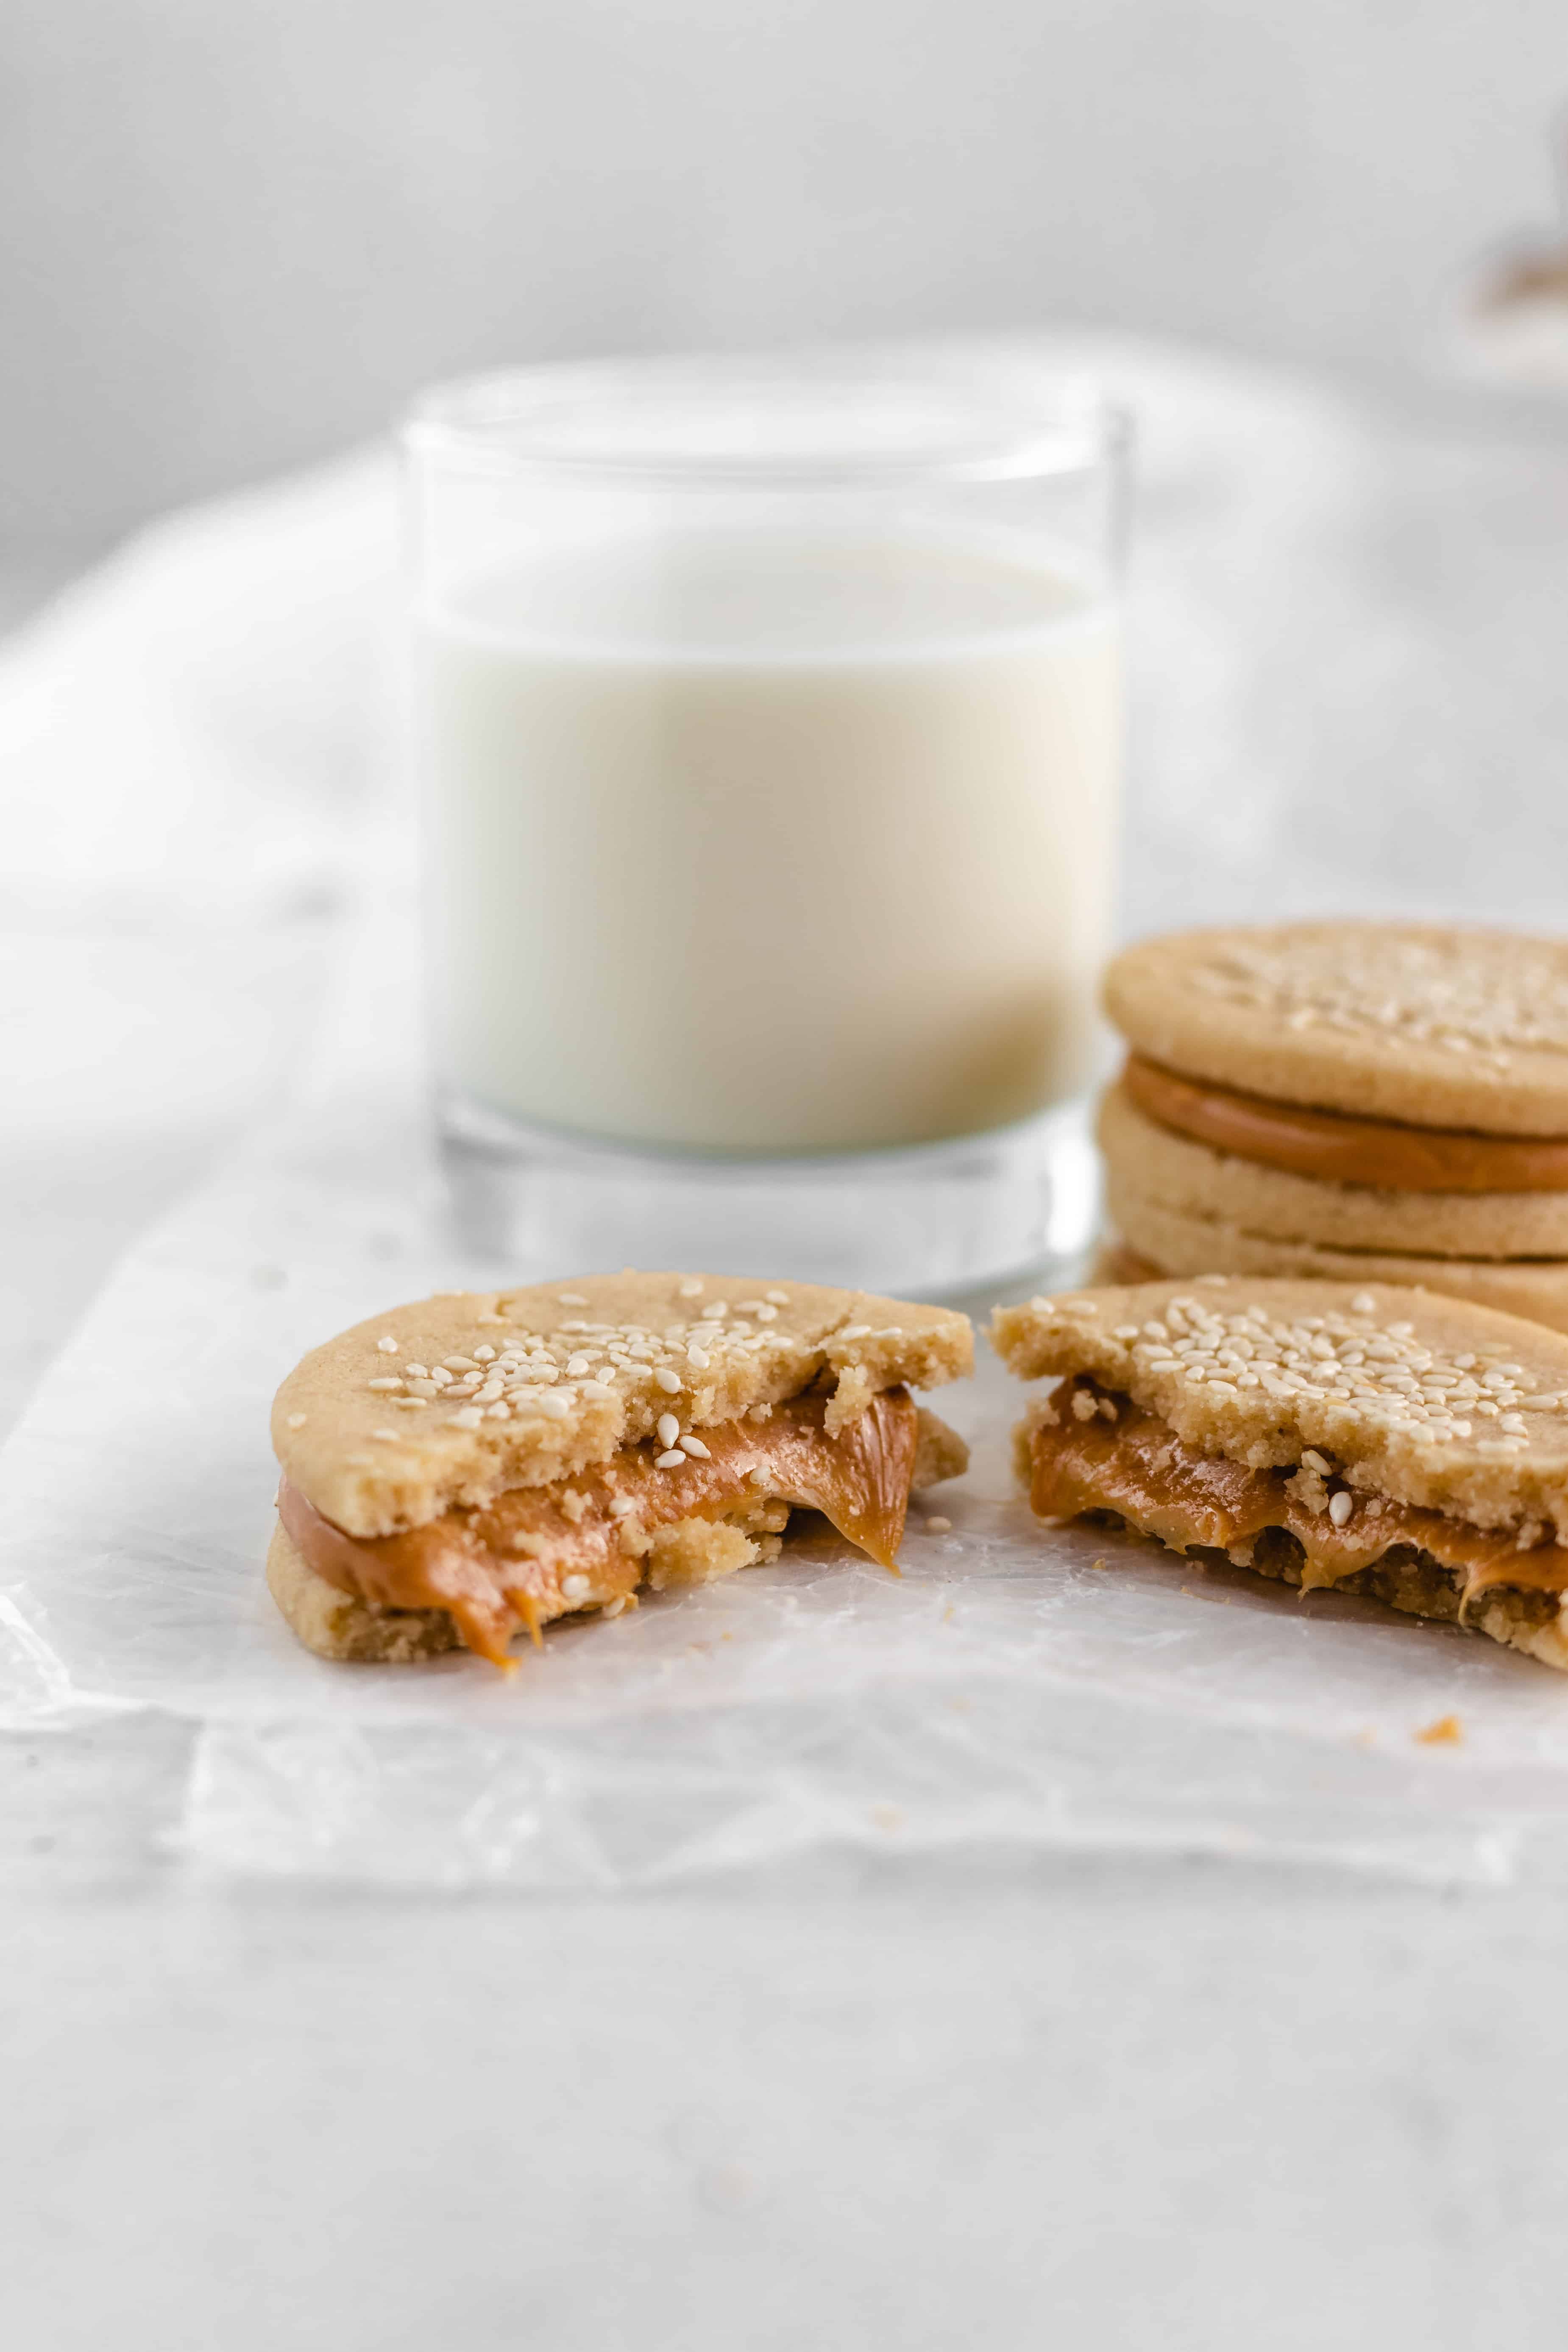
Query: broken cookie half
(481,1463)
(1385,1441)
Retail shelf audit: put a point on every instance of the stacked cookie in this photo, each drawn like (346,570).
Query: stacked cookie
(1356,1101)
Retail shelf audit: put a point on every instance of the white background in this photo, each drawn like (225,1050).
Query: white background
(235,232)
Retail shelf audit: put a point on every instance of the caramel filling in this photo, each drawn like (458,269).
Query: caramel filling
(1131,1463)
(1342,1150)
(538,1551)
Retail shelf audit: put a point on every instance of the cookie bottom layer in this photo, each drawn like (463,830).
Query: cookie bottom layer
(338,1625)
(1414,1583)
(351,1631)
(1146,1160)
(1171,1244)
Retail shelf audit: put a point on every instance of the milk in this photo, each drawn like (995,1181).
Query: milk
(754,844)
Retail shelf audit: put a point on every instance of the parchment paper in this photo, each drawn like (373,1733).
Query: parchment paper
(1017,1688)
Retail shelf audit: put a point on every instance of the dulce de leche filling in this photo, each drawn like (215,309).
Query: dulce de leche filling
(1104,1452)
(538,1551)
(1340,1149)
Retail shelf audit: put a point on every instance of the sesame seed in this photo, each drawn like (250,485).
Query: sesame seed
(469,1418)
(1363,1303)
(389,1436)
(778,1299)
(295,1420)
(1314,1461)
(671,1461)
(939,1527)
(667,1380)
(571,1298)
(387,1384)
(1340,1507)
(459,1364)
(577,1367)
(489,1318)
(409,1404)
(668,1428)
(485,1355)
(502,1411)
(423,1389)
(691,1287)
(553,1405)
(699,1357)
(575,1588)
(622,1506)
(387,1345)
(416,1372)
(597,1389)
(695,1445)
(766,1313)
(856,1331)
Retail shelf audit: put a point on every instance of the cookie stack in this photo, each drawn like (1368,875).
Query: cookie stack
(1356,1101)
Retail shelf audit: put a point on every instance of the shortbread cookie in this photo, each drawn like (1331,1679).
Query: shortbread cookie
(1173,1243)
(1386,1442)
(1148,1161)
(478,1462)
(1353,1100)
(1429,1024)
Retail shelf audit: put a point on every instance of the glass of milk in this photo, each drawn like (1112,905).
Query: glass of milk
(768,720)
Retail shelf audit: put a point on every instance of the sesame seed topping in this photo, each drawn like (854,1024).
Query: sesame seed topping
(939,1526)
(571,1298)
(484,1355)
(622,1507)
(694,1446)
(667,1380)
(553,1405)
(388,1384)
(387,1345)
(1340,1506)
(672,1460)
(668,1428)
(699,1357)
(389,1436)
(778,1299)
(295,1420)
(469,1418)
(856,1331)
(692,1287)
(597,1389)
(766,1313)
(575,1588)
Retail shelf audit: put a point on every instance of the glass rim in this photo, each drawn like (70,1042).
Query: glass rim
(989,415)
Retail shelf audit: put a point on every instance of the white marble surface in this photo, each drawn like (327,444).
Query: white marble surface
(862,2103)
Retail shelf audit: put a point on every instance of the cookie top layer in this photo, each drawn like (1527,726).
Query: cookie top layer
(1429,1024)
(1429,1400)
(454,1399)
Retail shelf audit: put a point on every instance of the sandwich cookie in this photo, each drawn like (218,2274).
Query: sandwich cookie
(481,1463)
(1354,1101)
(1394,1443)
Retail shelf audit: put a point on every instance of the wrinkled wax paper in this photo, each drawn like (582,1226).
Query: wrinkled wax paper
(1017,1688)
